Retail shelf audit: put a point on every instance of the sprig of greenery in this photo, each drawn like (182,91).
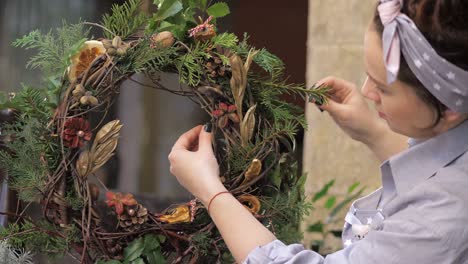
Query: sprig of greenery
(125,19)
(54,50)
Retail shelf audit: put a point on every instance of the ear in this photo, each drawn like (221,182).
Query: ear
(451,116)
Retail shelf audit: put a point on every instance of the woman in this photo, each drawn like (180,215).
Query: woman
(416,54)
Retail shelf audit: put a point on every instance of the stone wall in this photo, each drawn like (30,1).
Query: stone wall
(335,47)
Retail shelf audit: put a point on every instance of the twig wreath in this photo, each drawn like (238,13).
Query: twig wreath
(53,150)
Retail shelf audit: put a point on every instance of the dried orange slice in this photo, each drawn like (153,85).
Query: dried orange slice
(82,60)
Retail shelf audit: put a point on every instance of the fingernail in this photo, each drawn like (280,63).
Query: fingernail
(208,126)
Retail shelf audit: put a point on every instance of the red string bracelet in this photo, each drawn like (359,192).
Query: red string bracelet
(212,198)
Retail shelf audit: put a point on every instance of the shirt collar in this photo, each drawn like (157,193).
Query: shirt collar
(424,158)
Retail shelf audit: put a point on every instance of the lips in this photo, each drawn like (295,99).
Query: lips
(382,115)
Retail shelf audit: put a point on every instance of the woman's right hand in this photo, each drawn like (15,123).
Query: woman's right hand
(348,107)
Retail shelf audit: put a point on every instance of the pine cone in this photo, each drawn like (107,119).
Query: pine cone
(214,66)
(133,217)
(114,249)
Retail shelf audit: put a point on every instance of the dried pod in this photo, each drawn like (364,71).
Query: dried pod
(163,39)
(103,153)
(116,42)
(238,81)
(79,91)
(107,43)
(253,171)
(83,164)
(121,51)
(248,125)
(107,131)
(94,191)
(250,202)
(112,51)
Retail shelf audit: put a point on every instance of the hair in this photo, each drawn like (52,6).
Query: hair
(444,23)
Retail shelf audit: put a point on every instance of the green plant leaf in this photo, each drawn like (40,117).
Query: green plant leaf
(155,257)
(330,202)
(134,250)
(323,191)
(317,227)
(218,10)
(353,187)
(168,8)
(151,243)
(140,261)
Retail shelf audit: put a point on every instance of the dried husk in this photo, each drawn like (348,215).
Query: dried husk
(238,81)
(107,131)
(104,152)
(248,125)
(253,171)
(83,164)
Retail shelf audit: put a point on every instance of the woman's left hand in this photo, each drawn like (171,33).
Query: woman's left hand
(194,164)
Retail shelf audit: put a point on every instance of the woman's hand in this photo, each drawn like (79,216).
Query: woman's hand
(348,107)
(194,163)
(350,111)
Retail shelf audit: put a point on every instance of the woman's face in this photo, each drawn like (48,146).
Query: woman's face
(397,103)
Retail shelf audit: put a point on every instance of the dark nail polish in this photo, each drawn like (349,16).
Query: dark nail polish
(208,127)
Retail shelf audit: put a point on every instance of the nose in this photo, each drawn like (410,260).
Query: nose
(369,90)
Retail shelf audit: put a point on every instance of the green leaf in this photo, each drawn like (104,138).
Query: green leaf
(168,8)
(218,10)
(140,261)
(353,187)
(109,262)
(151,243)
(317,227)
(162,238)
(330,202)
(156,257)
(323,191)
(134,250)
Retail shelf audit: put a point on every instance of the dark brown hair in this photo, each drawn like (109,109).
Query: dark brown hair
(444,23)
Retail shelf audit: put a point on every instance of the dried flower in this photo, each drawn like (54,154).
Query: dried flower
(180,214)
(118,200)
(225,112)
(76,132)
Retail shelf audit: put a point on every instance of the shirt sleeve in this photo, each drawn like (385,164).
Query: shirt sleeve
(403,239)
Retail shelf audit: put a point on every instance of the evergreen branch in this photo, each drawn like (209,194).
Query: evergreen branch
(54,50)
(124,20)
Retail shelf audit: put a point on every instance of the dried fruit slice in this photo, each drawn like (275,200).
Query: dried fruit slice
(82,60)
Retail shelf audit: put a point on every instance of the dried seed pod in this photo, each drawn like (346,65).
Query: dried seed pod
(83,164)
(253,171)
(248,125)
(94,191)
(107,43)
(163,39)
(117,41)
(79,91)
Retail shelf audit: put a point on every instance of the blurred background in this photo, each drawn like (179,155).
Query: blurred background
(314,38)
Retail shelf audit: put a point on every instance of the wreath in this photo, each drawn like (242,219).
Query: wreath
(53,151)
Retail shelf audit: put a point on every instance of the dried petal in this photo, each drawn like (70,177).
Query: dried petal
(234,117)
(223,121)
(217,113)
(223,107)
